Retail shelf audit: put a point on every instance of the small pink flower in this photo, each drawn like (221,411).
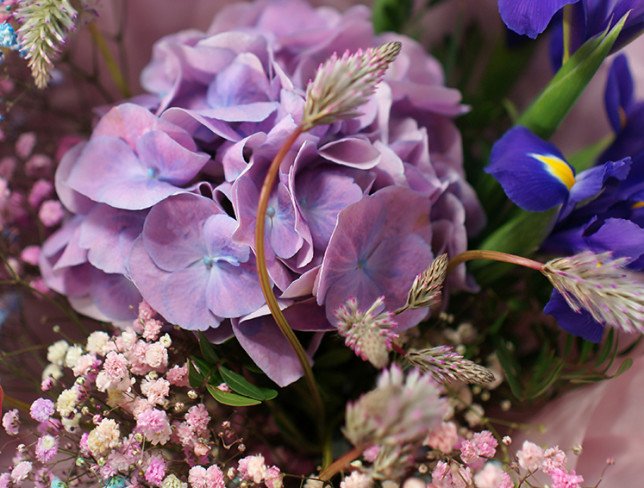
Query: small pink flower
(30,255)
(5,480)
(155,471)
(357,480)
(46,448)
(563,479)
(252,468)
(371,453)
(38,165)
(25,144)
(40,190)
(492,476)
(178,376)
(115,367)
(198,419)
(21,471)
(482,445)
(11,422)
(197,477)
(154,425)
(530,456)
(554,458)
(443,438)
(152,329)
(51,213)
(42,409)
(215,477)
(156,391)
(156,356)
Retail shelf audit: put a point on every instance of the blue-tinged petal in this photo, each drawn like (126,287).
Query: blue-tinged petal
(532,172)
(530,17)
(622,237)
(590,183)
(619,92)
(629,140)
(580,324)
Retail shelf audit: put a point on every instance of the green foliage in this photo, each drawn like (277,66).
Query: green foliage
(553,104)
(391,15)
(209,372)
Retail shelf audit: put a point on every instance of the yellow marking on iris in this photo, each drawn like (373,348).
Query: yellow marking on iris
(558,168)
(638,205)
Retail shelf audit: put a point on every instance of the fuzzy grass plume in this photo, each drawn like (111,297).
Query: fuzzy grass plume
(426,289)
(613,295)
(44,29)
(341,85)
(446,365)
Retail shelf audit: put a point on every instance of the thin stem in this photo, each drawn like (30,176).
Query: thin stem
(567,30)
(112,66)
(493,256)
(339,464)
(262,270)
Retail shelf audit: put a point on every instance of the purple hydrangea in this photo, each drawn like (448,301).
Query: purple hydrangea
(164,202)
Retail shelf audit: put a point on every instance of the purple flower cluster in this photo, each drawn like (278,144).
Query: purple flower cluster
(164,193)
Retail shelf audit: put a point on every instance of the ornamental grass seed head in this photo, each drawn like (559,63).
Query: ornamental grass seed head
(400,410)
(426,289)
(446,365)
(602,286)
(341,85)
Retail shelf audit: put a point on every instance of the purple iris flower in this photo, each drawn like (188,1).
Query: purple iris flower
(186,255)
(589,18)
(135,160)
(599,208)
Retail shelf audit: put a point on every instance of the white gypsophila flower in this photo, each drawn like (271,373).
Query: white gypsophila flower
(103,437)
(72,356)
(96,342)
(602,286)
(172,481)
(66,402)
(52,371)
(400,410)
(165,340)
(357,480)
(56,352)
(341,85)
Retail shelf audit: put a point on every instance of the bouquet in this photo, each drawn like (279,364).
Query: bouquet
(313,245)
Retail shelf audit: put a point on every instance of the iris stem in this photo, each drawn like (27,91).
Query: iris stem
(567,29)
(493,256)
(112,66)
(262,271)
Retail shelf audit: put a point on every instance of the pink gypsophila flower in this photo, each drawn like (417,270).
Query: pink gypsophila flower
(42,409)
(155,471)
(553,458)
(215,477)
(197,477)
(51,213)
(492,476)
(252,468)
(46,448)
(30,255)
(154,425)
(530,456)
(178,376)
(443,438)
(198,419)
(482,444)
(21,471)
(11,422)
(563,479)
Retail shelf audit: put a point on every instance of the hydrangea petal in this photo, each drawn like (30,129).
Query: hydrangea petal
(173,228)
(166,292)
(108,234)
(269,349)
(533,173)
(352,152)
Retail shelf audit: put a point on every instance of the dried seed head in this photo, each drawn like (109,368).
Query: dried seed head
(426,289)
(368,333)
(446,365)
(601,285)
(341,85)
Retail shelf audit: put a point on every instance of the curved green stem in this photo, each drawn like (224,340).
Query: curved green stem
(493,256)
(111,63)
(262,270)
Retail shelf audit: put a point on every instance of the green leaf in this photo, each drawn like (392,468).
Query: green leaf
(195,377)
(240,385)
(510,368)
(521,235)
(207,350)
(553,104)
(232,399)
(606,348)
(391,15)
